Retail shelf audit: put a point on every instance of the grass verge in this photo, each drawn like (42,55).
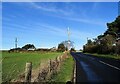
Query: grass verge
(66,71)
(105,55)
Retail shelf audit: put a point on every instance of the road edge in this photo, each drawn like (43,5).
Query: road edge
(74,72)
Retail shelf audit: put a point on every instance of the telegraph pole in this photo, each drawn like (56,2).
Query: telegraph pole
(16,43)
(87,38)
(68,32)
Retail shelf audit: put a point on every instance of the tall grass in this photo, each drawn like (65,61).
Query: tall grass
(13,64)
(105,55)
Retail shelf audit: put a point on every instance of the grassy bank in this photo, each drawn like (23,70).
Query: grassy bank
(66,71)
(105,55)
(13,63)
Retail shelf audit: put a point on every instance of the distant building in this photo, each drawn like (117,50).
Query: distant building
(42,49)
(53,49)
(31,49)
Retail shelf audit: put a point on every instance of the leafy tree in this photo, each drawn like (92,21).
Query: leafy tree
(72,50)
(113,27)
(61,47)
(89,42)
(105,43)
(28,46)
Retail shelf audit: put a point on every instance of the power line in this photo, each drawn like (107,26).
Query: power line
(68,32)
(16,42)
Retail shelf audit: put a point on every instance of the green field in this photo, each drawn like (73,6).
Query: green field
(13,64)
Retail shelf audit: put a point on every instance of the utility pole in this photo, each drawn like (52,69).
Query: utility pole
(16,43)
(68,32)
(87,39)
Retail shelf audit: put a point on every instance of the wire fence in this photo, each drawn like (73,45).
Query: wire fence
(44,73)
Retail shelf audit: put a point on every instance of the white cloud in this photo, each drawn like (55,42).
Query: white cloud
(52,8)
(83,20)
(75,34)
(53,29)
(67,13)
(90,21)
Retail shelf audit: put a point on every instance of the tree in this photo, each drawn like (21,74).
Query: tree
(105,43)
(89,42)
(61,47)
(113,27)
(28,46)
(72,50)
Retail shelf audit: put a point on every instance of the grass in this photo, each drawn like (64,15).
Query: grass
(66,71)
(13,64)
(106,55)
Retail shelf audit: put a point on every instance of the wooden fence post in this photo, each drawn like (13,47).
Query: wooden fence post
(50,65)
(28,71)
(61,57)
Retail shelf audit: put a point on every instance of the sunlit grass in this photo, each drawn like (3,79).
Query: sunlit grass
(106,55)
(13,63)
(66,71)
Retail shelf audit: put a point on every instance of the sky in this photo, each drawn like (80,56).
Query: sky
(45,24)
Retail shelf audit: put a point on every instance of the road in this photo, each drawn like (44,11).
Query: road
(91,69)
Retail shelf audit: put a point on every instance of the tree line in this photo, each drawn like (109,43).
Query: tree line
(108,43)
(63,46)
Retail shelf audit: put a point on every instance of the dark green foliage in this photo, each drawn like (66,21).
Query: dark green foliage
(106,43)
(89,42)
(61,47)
(15,50)
(64,45)
(28,46)
(43,50)
(72,50)
(114,27)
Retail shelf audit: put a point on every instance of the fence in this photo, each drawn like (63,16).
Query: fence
(46,72)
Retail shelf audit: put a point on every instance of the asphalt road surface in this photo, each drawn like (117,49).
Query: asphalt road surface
(92,70)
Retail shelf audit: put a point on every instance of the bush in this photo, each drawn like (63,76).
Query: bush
(61,47)
(72,50)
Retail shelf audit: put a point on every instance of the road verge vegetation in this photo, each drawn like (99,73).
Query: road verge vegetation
(66,71)
(117,57)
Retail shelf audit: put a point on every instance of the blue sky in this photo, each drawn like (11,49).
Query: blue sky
(45,24)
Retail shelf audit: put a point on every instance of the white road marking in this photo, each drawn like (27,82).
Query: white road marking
(109,65)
